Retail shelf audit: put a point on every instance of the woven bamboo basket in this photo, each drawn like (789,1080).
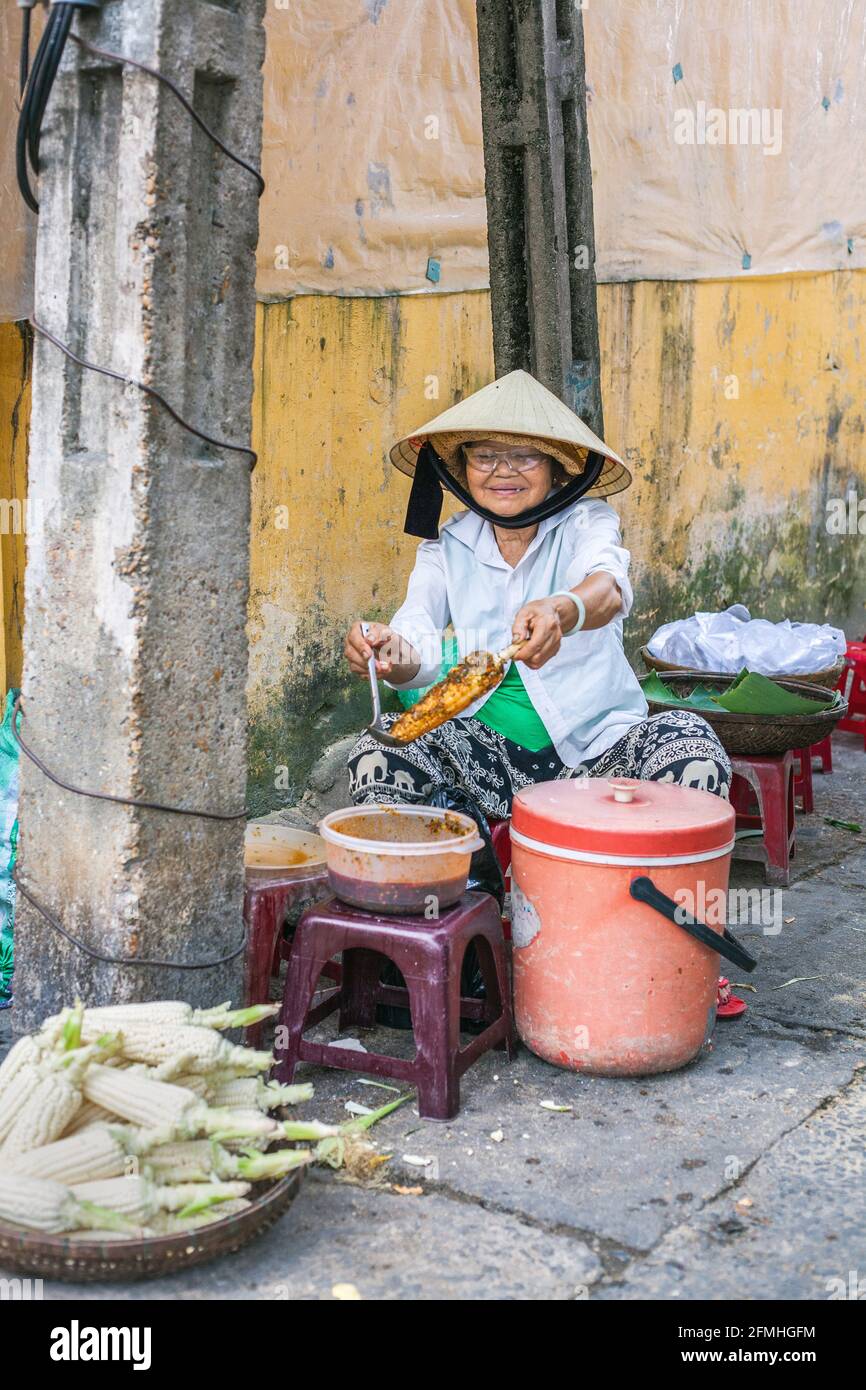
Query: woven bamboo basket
(124,1261)
(766,735)
(828,678)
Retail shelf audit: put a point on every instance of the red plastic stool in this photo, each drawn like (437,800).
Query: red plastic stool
(268,902)
(429,955)
(803,778)
(762,794)
(824,751)
(852,683)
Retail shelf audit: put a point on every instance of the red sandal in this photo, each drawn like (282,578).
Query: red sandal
(729,1005)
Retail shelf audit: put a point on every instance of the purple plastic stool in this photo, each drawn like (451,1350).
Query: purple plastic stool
(429,955)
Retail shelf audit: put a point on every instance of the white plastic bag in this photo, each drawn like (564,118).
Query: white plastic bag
(731,640)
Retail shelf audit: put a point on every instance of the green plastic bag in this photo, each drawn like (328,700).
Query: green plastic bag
(8,844)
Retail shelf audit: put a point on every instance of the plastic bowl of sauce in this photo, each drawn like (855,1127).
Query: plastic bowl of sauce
(396,859)
(278,851)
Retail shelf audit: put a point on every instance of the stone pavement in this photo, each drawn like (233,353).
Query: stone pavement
(742,1176)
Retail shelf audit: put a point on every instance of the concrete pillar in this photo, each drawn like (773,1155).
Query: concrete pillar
(539,197)
(136,585)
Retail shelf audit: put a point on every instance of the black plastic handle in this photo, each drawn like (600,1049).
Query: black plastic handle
(644,891)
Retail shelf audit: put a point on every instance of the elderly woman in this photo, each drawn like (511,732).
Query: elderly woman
(535,558)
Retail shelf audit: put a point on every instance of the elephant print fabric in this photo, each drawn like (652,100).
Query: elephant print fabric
(677,746)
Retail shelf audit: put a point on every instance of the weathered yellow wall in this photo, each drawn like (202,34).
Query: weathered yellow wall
(14,425)
(729,501)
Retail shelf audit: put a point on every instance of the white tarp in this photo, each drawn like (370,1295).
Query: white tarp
(726,139)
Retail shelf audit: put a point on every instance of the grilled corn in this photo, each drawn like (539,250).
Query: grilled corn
(466,682)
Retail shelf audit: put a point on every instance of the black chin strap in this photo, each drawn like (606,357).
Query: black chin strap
(425,499)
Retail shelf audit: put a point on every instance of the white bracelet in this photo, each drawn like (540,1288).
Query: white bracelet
(581,608)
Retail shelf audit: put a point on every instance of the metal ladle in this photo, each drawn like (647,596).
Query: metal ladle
(377,728)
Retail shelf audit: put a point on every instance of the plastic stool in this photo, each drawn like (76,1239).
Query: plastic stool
(429,955)
(852,683)
(268,902)
(803,778)
(824,751)
(762,794)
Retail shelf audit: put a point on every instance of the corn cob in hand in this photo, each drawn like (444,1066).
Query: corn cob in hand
(464,684)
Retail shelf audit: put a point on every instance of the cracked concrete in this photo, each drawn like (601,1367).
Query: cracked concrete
(740,1177)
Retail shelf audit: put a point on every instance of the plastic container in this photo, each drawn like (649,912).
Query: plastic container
(394,859)
(278,851)
(615,966)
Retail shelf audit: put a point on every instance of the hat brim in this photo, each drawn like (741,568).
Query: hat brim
(614,477)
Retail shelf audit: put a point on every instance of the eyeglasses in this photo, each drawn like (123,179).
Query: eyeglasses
(485,460)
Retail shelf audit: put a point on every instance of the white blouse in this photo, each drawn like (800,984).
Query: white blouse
(587,695)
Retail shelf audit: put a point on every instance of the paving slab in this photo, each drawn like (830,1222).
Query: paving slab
(792,1228)
(387,1246)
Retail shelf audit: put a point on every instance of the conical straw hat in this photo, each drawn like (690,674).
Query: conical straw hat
(519,407)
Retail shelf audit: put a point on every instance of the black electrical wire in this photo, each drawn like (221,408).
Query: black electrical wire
(18,711)
(54,921)
(173,87)
(34,83)
(54,53)
(148,391)
(24,53)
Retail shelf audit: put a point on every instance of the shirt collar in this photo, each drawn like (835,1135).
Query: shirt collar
(476,533)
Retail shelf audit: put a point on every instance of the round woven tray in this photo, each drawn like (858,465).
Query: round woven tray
(761,734)
(827,678)
(121,1261)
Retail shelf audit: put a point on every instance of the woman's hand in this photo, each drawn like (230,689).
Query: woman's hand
(545,621)
(395,657)
(538,626)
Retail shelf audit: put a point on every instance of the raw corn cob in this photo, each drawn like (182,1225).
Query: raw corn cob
(25,1054)
(102,1151)
(137,1199)
(466,682)
(42,1205)
(54,1099)
(160,1106)
(169,1013)
(166,1223)
(176,1049)
(88,1114)
(199,1160)
(252,1092)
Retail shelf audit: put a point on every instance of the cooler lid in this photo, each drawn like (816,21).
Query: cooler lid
(623,817)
